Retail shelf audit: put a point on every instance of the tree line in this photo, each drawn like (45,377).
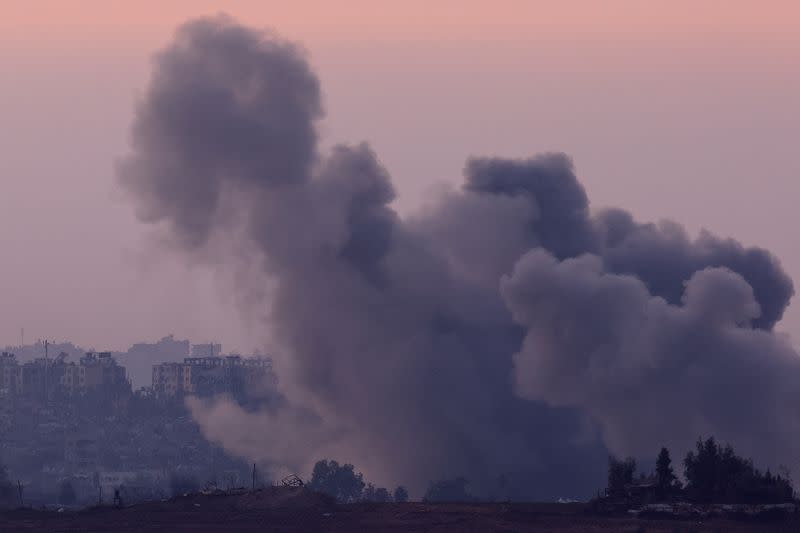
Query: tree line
(347,486)
(713,474)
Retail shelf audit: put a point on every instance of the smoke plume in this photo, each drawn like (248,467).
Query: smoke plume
(506,330)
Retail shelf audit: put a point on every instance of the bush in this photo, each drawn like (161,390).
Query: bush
(382,495)
(448,490)
(620,473)
(400,494)
(339,481)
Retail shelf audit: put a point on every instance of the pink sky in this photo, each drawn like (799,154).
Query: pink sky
(442,18)
(687,110)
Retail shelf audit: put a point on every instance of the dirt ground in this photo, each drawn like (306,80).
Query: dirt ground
(279,510)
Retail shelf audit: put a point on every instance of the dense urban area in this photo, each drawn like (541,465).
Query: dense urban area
(80,428)
(77,426)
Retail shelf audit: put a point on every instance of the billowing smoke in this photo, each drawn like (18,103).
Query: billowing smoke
(504,330)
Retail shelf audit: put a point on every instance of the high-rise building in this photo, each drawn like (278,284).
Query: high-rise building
(207,376)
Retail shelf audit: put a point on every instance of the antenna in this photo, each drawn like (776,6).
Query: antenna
(21,337)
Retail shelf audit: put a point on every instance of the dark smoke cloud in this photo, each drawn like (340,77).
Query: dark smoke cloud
(653,373)
(502,330)
(226,107)
(548,183)
(664,257)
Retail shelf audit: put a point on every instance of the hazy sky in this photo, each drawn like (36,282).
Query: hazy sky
(686,110)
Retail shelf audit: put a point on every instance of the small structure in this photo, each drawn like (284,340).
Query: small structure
(292,481)
(635,494)
(642,491)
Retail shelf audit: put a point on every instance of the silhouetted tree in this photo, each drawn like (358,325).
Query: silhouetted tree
(368,495)
(620,473)
(375,494)
(664,474)
(701,470)
(716,474)
(341,482)
(400,494)
(382,495)
(448,490)
(66,493)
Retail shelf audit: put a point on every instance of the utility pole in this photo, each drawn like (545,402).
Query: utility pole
(19,489)
(46,397)
(254,476)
